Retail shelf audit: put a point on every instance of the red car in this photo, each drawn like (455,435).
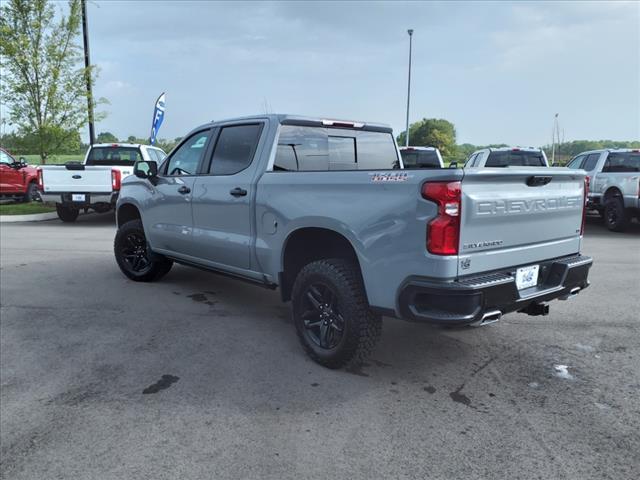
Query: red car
(17,179)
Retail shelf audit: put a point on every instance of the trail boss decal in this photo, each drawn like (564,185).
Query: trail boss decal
(490,243)
(389,177)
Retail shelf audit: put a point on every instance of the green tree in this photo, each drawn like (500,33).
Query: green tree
(432,132)
(106,137)
(43,81)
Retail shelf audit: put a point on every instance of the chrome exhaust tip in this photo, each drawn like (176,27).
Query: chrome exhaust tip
(572,293)
(488,318)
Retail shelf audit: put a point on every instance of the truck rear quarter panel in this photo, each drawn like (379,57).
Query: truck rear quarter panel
(385,222)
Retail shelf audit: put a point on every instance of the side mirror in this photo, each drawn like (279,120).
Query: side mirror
(145,169)
(22,160)
(453,165)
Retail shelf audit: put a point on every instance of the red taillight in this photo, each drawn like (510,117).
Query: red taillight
(584,206)
(443,232)
(40,181)
(115,180)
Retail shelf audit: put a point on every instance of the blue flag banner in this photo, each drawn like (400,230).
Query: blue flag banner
(158,117)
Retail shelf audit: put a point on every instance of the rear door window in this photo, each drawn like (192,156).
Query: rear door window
(619,162)
(235,149)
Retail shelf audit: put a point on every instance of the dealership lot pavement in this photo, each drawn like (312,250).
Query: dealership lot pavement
(201,376)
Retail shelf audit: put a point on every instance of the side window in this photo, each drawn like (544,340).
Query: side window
(235,149)
(153,155)
(471,160)
(5,158)
(186,158)
(591,161)
(478,160)
(576,162)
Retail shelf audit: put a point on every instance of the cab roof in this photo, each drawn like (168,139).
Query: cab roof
(288,119)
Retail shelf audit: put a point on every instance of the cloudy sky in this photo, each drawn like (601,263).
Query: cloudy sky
(498,70)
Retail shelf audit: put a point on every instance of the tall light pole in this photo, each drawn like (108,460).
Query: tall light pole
(87,64)
(406,137)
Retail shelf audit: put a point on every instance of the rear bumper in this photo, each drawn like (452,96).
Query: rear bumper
(473,299)
(90,198)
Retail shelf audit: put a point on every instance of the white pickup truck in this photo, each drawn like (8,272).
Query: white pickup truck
(95,183)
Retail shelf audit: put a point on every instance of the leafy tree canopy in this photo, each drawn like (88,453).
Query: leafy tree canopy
(44,83)
(432,132)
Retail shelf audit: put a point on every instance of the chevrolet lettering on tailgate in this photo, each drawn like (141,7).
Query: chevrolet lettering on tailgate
(514,207)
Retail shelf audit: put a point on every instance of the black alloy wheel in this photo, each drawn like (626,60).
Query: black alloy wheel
(134,253)
(322,318)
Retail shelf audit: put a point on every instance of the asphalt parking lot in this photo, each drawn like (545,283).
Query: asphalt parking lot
(201,376)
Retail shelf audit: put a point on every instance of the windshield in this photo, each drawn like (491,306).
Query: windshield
(116,156)
(622,162)
(420,159)
(515,158)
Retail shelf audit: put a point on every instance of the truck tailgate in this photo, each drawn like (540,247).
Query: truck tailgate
(88,180)
(516,216)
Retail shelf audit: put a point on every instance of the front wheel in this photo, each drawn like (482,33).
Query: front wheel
(134,257)
(332,316)
(615,215)
(31,195)
(67,214)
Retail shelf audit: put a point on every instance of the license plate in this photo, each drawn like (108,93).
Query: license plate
(78,197)
(527,276)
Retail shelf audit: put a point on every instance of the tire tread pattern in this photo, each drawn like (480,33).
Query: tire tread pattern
(368,325)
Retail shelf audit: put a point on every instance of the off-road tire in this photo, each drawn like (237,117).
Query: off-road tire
(616,217)
(156,266)
(362,328)
(67,214)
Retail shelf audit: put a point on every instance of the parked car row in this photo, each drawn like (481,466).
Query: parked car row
(319,209)
(614,174)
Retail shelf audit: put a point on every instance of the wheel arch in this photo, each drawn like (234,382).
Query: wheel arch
(127,212)
(611,192)
(307,244)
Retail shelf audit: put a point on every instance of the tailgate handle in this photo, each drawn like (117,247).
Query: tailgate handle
(538,180)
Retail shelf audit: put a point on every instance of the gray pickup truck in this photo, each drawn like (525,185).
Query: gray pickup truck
(324,210)
(614,190)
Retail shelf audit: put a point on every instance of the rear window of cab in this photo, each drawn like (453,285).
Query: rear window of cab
(117,156)
(515,158)
(303,148)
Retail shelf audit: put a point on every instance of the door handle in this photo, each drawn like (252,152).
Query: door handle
(238,192)
(184,190)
